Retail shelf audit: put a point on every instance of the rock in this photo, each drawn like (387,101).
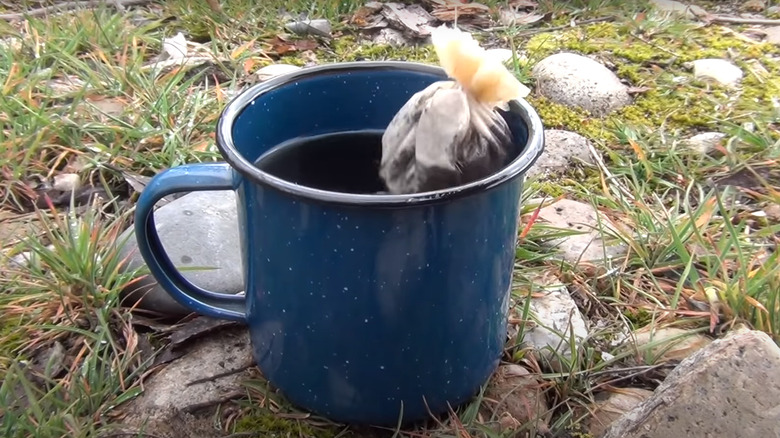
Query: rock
(66,182)
(514,397)
(319,27)
(754,5)
(578,81)
(555,315)
(272,70)
(690,11)
(772,212)
(201,378)
(772,34)
(719,70)
(560,148)
(391,37)
(582,218)
(705,143)
(773,10)
(727,389)
(668,343)
(606,411)
(200,230)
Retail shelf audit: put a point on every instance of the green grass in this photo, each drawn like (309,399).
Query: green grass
(80,90)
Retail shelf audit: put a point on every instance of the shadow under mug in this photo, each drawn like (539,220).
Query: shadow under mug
(362,308)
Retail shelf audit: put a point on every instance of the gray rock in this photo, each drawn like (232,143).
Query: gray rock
(200,232)
(727,389)
(588,245)
(560,148)
(667,343)
(513,398)
(704,143)
(718,70)
(319,27)
(690,11)
(611,408)
(578,81)
(772,34)
(211,370)
(554,315)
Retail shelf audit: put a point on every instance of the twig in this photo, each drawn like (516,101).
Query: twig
(609,174)
(220,375)
(226,398)
(554,28)
(68,6)
(738,20)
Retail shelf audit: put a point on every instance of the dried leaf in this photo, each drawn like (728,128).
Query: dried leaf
(368,16)
(511,17)
(412,18)
(280,46)
(638,90)
(134,180)
(196,328)
(523,4)
(176,46)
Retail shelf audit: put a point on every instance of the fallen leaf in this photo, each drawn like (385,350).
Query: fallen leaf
(523,4)
(196,328)
(412,18)
(134,180)
(368,16)
(176,46)
(510,17)
(451,10)
(638,90)
(280,46)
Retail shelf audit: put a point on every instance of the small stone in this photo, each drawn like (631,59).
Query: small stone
(555,315)
(583,218)
(606,411)
(199,229)
(728,389)
(201,377)
(560,149)
(578,81)
(705,143)
(719,70)
(690,11)
(773,10)
(391,37)
(320,27)
(668,343)
(273,70)
(514,397)
(66,182)
(754,5)
(772,35)
(773,212)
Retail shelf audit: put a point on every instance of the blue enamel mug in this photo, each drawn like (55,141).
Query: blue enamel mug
(362,308)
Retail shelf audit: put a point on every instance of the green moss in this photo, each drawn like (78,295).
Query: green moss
(347,48)
(660,62)
(267,424)
(638,317)
(551,189)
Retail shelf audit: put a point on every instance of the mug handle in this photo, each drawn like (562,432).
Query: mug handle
(185,178)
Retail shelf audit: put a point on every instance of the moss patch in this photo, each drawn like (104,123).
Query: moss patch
(660,62)
(267,424)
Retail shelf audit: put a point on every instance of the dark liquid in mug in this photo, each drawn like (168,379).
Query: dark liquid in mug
(346,162)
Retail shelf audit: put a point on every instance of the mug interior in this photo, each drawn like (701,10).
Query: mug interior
(340,98)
